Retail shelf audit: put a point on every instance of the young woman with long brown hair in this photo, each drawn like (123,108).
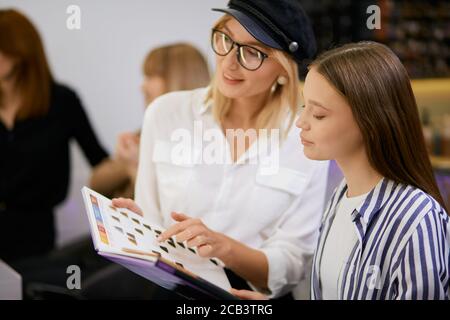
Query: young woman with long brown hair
(385,232)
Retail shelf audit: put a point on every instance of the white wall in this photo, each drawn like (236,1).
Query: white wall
(102,62)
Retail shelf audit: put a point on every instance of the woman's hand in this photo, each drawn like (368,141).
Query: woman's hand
(209,243)
(248,295)
(128,204)
(127,151)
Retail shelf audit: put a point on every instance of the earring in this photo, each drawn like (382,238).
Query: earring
(273,88)
(282,80)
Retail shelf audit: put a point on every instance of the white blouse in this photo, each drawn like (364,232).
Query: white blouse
(275,211)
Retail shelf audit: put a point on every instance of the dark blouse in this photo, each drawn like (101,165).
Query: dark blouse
(35,172)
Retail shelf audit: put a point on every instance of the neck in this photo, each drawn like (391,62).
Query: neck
(243,111)
(360,176)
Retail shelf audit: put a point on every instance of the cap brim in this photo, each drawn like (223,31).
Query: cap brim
(252,27)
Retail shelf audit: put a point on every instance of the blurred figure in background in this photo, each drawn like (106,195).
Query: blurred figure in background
(170,68)
(38,120)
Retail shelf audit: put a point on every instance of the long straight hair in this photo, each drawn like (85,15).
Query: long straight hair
(20,41)
(378,89)
(280,110)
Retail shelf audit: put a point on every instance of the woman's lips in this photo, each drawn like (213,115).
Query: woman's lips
(230,80)
(306,142)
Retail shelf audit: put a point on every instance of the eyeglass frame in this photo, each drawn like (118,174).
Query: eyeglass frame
(238,51)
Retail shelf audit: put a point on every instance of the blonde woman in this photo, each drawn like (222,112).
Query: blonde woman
(169,68)
(202,176)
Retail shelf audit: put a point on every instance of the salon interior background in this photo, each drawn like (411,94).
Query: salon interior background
(102,60)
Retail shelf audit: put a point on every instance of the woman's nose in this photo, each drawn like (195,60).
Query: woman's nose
(301,122)
(230,61)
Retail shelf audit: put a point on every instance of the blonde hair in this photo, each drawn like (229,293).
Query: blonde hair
(180,65)
(282,103)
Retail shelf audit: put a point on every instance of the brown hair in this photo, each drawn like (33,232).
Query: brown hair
(377,87)
(283,102)
(181,66)
(20,41)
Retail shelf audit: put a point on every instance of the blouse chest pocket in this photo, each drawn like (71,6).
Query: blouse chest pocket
(173,170)
(276,193)
(286,180)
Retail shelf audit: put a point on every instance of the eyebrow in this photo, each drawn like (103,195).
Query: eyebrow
(253,43)
(317,104)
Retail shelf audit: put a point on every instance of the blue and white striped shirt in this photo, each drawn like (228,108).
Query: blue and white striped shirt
(403,247)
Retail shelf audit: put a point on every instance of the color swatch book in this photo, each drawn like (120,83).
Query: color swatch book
(127,238)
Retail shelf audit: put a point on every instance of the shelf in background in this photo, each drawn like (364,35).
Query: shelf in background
(429,92)
(440,163)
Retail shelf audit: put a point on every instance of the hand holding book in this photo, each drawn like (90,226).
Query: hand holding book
(121,234)
(208,242)
(204,241)
(128,204)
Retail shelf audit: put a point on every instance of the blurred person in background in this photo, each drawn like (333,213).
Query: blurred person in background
(178,66)
(175,67)
(38,119)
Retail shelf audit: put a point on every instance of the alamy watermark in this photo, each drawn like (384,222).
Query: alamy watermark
(73,21)
(208,146)
(374,20)
(374,278)
(73,281)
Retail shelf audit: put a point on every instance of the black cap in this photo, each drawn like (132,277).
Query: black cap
(279,24)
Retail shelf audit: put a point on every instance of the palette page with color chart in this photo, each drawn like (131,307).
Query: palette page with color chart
(119,232)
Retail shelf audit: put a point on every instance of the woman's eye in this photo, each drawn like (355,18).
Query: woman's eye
(319,117)
(253,52)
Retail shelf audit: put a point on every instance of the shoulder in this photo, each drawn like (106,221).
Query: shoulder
(178,105)
(64,102)
(427,210)
(61,92)
(413,211)
(414,203)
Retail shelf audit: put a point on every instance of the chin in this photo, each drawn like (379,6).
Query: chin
(231,93)
(311,155)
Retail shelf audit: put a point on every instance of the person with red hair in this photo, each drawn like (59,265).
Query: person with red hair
(38,120)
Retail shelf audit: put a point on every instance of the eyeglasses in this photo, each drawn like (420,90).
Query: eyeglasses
(248,57)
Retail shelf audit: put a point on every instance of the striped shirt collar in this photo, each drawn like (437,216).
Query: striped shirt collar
(372,204)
